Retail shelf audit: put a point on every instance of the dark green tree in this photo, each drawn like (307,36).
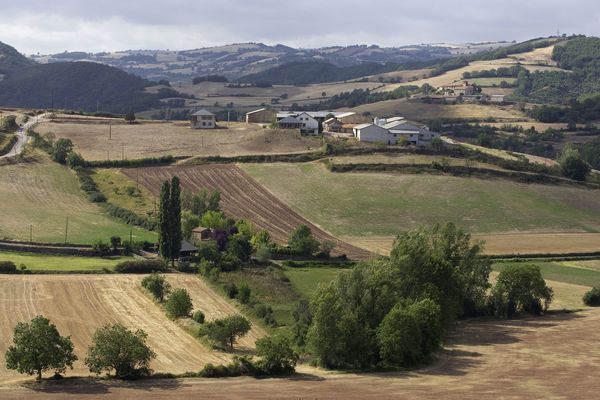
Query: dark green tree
(572,165)
(157,285)
(61,150)
(175,220)
(38,347)
(521,288)
(130,117)
(115,347)
(302,241)
(164,225)
(227,330)
(179,304)
(276,354)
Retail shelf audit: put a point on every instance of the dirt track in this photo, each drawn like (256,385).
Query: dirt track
(554,357)
(79,304)
(241,197)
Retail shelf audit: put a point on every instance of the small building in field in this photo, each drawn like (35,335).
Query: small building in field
(332,125)
(304,122)
(203,119)
(261,116)
(497,98)
(187,250)
(372,133)
(201,234)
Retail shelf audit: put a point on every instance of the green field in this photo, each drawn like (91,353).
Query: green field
(40,195)
(306,281)
(123,192)
(383,204)
(43,262)
(573,272)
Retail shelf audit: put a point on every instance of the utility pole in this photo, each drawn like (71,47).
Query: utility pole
(122,151)
(66,229)
(107,155)
(109,130)
(30,233)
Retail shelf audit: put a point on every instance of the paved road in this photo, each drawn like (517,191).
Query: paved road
(22,137)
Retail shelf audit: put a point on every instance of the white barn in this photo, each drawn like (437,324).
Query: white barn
(304,122)
(372,133)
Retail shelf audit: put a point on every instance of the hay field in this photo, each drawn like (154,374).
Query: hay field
(41,193)
(80,304)
(153,139)
(420,111)
(407,159)
(384,204)
(552,357)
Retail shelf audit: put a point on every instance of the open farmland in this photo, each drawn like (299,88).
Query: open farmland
(419,111)
(486,359)
(39,194)
(45,262)
(357,206)
(241,197)
(153,139)
(80,304)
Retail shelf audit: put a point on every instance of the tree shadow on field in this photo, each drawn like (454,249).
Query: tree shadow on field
(74,386)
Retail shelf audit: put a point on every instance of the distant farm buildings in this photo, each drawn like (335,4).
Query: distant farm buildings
(393,131)
(261,116)
(203,119)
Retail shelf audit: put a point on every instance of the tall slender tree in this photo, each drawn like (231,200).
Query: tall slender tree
(164,225)
(175,219)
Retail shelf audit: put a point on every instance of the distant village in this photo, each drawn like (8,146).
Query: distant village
(390,131)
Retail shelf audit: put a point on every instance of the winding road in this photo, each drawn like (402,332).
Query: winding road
(22,137)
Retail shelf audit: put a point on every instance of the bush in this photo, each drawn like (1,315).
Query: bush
(302,241)
(277,357)
(157,285)
(101,248)
(231,290)
(198,316)
(243,294)
(592,298)
(179,304)
(141,266)
(238,367)
(8,267)
(97,197)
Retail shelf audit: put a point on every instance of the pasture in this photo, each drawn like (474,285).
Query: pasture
(80,304)
(384,204)
(154,138)
(59,263)
(38,195)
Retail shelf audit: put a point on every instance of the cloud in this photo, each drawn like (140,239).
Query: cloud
(41,26)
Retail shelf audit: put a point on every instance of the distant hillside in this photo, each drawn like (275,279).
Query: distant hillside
(76,85)
(11,59)
(306,72)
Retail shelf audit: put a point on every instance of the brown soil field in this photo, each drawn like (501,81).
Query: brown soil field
(153,138)
(80,304)
(507,243)
(551,357)
(242,197)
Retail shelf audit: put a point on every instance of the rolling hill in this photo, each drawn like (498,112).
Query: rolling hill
(11,60)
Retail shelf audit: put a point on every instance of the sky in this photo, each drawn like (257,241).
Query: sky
(42,26)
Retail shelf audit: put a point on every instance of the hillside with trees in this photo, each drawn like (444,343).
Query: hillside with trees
(11,60)
(76,85)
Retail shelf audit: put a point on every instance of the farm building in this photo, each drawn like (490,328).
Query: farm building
(464,89)
(372,133)
(187,250)
(261,116)
(332,125)
(497,98)
(304,122)
(200,234)
(203,119)
(320,116)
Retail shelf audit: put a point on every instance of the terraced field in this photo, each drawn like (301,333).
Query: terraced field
(241,197)
(79,304)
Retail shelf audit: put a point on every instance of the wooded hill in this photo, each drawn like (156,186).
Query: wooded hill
(11,59)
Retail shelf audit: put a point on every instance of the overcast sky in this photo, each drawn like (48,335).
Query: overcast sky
(44,26)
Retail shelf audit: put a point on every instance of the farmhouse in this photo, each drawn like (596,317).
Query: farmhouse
(304,122)
(464,89)
(332,125)
(187,250)
(261,116)
(394,130)
(203,119)
(201,234)
(372,133)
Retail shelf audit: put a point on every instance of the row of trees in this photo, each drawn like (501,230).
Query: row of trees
(393,312)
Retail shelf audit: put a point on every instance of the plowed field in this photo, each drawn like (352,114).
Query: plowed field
(79,304)
(241,197)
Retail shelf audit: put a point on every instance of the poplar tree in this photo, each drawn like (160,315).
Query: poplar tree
(164,236)
(175,219)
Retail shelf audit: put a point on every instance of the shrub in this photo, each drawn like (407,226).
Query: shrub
(302,241)
(198,316)
(179,304)
(141,266)
(101,248)
(592,298)
(263,253)
(157,285)
(7,267)
(231,290)
(261,310)
(277,357)
(243,294)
